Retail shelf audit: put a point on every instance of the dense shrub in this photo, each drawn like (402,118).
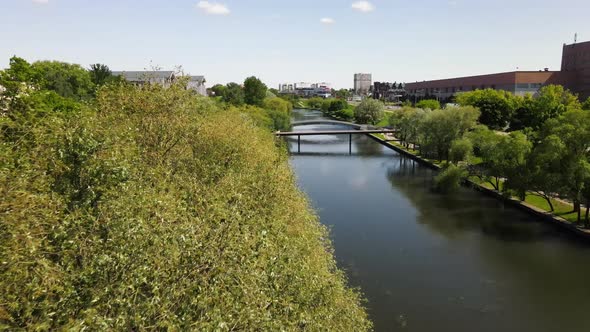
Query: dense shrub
(428,104)
(152,214)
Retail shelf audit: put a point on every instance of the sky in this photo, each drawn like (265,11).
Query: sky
(297,41)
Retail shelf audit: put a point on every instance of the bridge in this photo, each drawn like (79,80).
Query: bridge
(348,132)
(327,122)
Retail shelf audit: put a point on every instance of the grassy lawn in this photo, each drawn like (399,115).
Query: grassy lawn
(562,209)
(384,122)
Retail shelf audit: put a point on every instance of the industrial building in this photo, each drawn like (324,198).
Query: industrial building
(362,83)
(574,75)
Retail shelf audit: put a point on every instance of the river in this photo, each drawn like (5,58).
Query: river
(431,262)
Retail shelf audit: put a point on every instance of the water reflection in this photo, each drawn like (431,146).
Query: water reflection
(429,262)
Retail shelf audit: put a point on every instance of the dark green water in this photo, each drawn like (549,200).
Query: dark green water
(428,262)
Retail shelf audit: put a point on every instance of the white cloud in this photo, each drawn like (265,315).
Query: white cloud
(213,8)
(41,2)
(363,6)
(327,20)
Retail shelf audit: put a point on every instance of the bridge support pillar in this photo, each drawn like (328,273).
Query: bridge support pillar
(298,143)
(350,144)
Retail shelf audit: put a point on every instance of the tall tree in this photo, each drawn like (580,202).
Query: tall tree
(68,80)
(496,106)
(19,71)
(219,90)
(369,111)
(100,73)
(572,129)
(550,103)
(441,127)
(254,91)
(234,94)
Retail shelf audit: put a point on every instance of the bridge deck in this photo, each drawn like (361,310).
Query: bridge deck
(333,132)
(326,122)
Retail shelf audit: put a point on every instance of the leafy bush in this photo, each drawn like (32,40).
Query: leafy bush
(152,214)
(430,104)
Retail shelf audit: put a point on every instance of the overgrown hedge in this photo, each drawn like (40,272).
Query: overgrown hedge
(154,209)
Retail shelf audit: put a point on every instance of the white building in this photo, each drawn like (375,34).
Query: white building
(196,83)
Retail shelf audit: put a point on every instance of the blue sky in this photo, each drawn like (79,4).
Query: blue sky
(286,41)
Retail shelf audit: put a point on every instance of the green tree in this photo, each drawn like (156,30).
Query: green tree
(407,121)
(254,91)
(219,90)
(550,103)
(441,127)
(342,94)
(278,104)
(234,94)
(586,104)
(545,169)
(68,80)
(369,111)
(461,150)
(573,131)
(19,71)
(100,74)
(496,106)
(431,104)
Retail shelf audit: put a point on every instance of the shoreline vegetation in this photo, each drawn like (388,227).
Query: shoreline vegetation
(132,207)
(536,207)
(535,156)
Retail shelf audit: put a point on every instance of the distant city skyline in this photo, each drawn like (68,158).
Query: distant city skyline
(303,41)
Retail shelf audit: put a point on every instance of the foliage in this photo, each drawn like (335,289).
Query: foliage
(449,179)
(461,150)
(441,127)
(254,91)
(100,74)
(369,111)
(573,132)
(496,106)
(147,214)
(586,104)
(551,102)
(315,103)
(407,121)
(342,94)
(428,104)
(233,94)
(68,80)
(278,104)
(219,90)
(279,111)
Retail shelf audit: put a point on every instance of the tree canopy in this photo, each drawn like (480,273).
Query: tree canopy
(369,111)
(254,91)
(496,106)
(431,104)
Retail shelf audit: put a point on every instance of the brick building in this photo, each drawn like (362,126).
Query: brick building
(576,61)
(574,75)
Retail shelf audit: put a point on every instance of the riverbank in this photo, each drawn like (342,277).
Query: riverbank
(536,211)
